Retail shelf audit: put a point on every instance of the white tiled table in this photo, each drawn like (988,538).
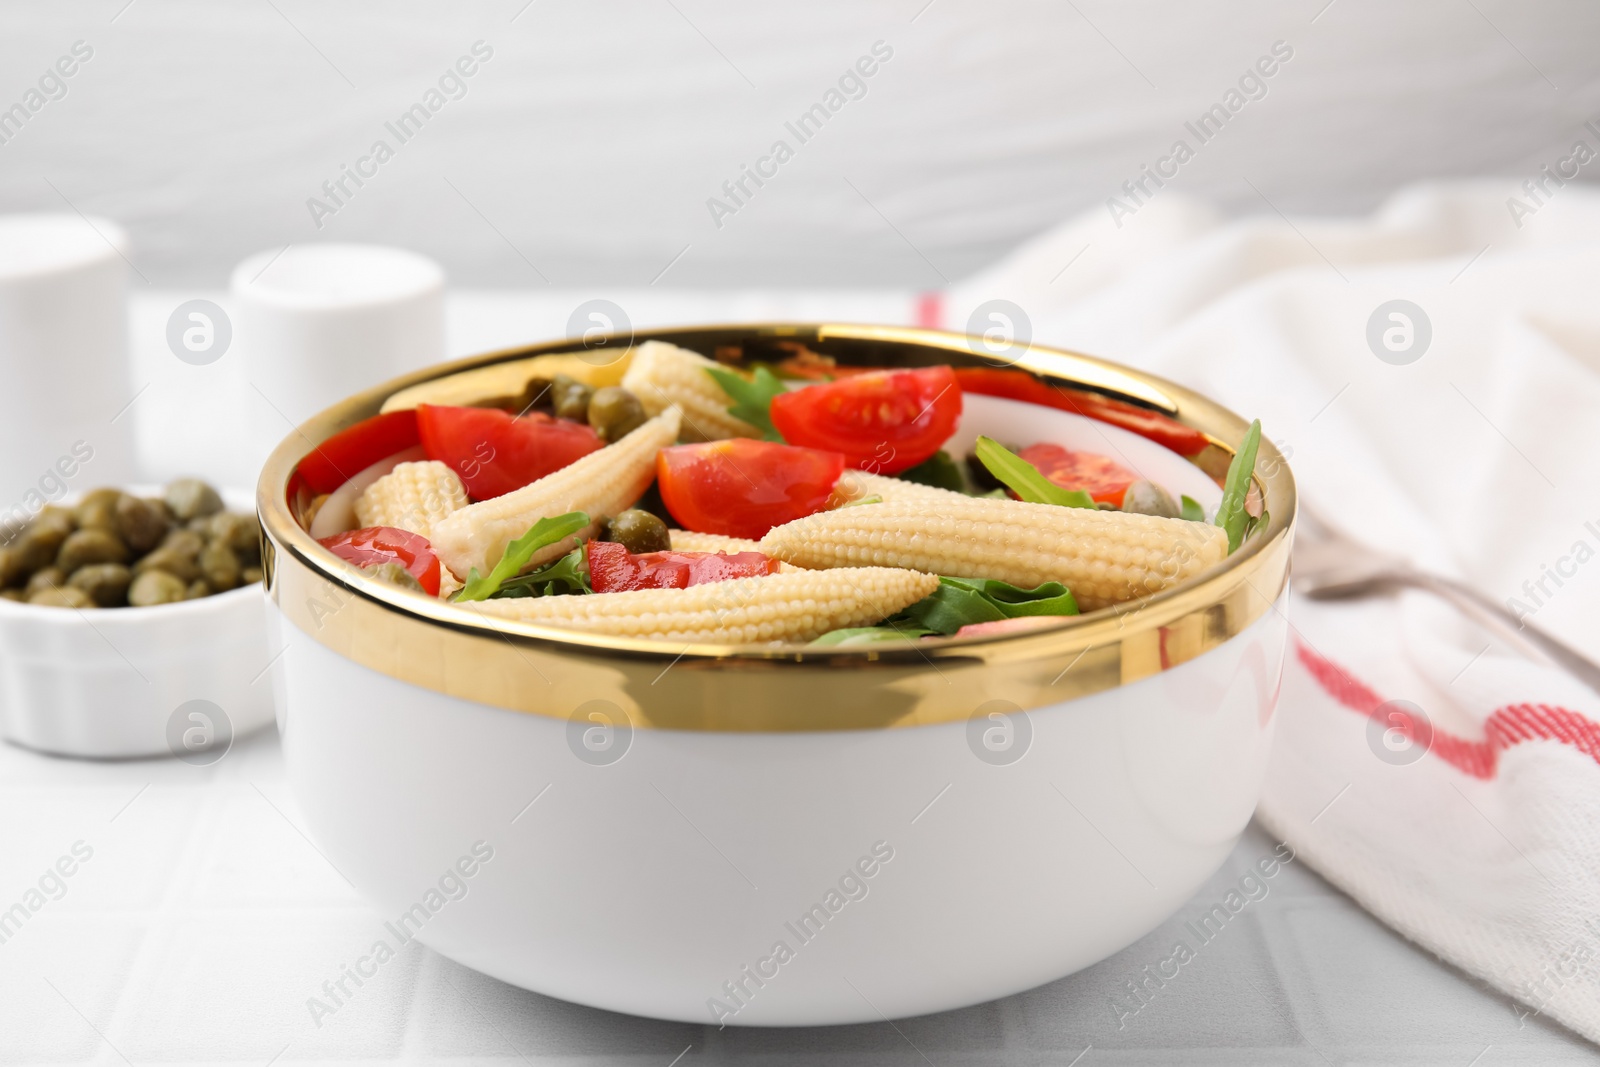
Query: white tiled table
(205,919)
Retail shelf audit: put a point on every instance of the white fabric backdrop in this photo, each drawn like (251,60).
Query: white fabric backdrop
(586,148)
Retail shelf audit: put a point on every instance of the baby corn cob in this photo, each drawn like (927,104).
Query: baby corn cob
(602,483)
(412,497)
(1103,557)
(793,606)
(689,541)
(663,374)
(859,485)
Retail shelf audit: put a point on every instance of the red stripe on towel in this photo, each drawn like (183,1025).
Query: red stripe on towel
(1511,725)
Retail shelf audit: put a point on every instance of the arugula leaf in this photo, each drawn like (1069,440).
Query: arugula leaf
(959,601)
(1231,515)
(851,636)
(939,471)
(1024,479)
(542,534)
(1191,510)
(567,576)
(752,398)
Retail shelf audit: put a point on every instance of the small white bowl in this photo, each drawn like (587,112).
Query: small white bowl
(179,679)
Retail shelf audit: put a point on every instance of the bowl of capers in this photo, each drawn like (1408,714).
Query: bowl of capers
(131,624)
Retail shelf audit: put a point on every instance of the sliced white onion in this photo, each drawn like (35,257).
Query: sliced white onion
(338,512)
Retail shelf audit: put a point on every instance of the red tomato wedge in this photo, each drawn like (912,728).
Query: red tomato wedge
(385,544)
(1103,479)
(496,452)
(355,448)
(613,569)
(743,488)
(885,422)
(1020,385)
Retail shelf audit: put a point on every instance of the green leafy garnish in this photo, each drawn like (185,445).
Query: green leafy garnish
(956,603)
(960,601)
(567,576)
(851,636)
(939,471)
(1024,479)
(752,398)
(1231,515)
(542,534)
(1189,508)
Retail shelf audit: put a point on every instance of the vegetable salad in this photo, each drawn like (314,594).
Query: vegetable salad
(673,497)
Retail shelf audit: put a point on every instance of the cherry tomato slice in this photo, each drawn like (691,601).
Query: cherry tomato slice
(1020,385)
(355,448)
(496,452)
(613,569)
(743,488)
(885,422)
(385,544)
(1103,479)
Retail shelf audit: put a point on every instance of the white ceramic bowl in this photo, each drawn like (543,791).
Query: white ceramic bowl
(124,682)
(782,837)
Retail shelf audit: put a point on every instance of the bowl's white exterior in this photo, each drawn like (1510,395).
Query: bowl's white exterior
(647,885)
(104,684)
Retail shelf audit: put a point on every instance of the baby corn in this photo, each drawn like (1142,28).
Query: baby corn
(412,497)
(794,606)
(602,483)
(689,541)
(1103,557)
(663,374)
(859,485)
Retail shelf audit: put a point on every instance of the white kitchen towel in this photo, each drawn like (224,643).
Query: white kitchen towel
(1449,786)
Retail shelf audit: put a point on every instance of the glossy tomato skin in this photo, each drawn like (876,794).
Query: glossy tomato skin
(1021,385)
(355,448)
(1103,479)
(386,544)
(884,421)
(496,452)
(613,569)
(743,488)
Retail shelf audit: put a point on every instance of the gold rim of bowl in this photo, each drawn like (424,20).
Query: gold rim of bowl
(559,673)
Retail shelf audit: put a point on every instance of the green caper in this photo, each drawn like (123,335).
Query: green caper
(156,587)
(38,545)
(46,578)
(63,597)
(570,398)
(536,395)
(219,566)
(190,498)
(90,546)
(197,589)
(250,576)
(172,559)
(140,523)
(614,412)
(638,531)
(184,542)
(242,533)
(106,583)
(98,509)
(11,572)
(394,574)
(1148,498)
